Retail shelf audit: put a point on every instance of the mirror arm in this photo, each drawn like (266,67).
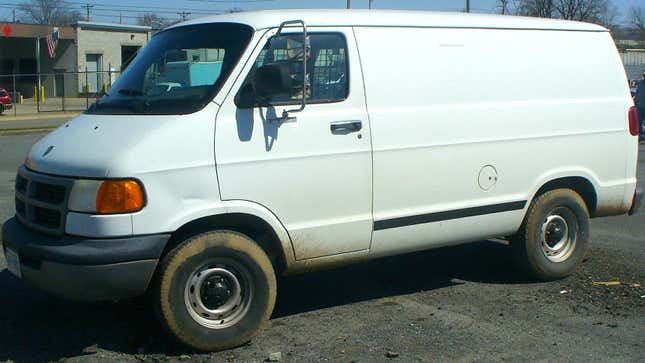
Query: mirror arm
(305,47)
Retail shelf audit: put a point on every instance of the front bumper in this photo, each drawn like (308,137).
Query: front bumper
(7,106)
(82,268)
(637,202)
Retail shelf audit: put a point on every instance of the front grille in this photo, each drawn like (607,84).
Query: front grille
(21,184)
(46,217)
(20,207)
(48,192)
(41,201)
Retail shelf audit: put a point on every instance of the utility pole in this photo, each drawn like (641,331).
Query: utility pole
(14,15)
(120,17)
(370,4)
(88,8)
(468,6)
(183,15)
(349,4)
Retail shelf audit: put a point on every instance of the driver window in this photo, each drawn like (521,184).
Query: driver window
(327,69)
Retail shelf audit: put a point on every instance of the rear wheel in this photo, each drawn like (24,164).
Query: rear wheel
(554,236)
(215,290)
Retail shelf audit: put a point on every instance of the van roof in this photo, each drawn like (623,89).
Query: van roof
(393,18)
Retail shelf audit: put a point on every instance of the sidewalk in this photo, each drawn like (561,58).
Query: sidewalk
(53,105)
(33,123)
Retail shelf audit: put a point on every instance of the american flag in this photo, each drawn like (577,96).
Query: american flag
(52,42)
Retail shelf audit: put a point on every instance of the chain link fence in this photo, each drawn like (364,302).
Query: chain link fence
(55,92)
(634,62)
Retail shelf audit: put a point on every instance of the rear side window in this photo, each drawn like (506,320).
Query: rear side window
(327,67)
(2,92)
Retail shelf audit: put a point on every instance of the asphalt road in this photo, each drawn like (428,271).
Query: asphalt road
(464,303)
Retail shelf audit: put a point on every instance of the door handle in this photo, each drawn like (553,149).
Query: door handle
(345,127)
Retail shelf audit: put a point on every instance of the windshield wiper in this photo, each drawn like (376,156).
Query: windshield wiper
(130,92)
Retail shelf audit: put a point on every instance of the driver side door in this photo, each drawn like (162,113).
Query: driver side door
(314,170)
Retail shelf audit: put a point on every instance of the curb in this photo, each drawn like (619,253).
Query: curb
(26,131)
(36,116)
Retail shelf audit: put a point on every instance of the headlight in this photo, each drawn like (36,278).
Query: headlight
(106,196)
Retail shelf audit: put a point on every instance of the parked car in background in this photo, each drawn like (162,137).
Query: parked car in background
(5,101)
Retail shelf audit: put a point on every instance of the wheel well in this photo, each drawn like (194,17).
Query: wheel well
(580,185)
(252,226)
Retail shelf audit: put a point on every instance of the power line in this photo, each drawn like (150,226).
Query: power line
(100,14)
(118,6)
(70,5)
(237,1)
(98,9)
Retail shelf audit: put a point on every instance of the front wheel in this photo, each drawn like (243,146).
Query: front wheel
(215,290)
(554,236)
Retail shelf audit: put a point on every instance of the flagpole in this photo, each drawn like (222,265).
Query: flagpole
(37,95)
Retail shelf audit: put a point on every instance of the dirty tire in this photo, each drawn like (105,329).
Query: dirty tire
(174,275)
(530,246)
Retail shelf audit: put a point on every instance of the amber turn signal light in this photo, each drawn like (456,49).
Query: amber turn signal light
(119,196)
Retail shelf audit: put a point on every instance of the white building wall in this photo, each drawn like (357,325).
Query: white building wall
(108,44)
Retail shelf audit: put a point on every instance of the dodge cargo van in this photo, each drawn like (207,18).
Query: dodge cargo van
(241,147)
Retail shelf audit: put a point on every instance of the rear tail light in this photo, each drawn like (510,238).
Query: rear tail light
(634,122)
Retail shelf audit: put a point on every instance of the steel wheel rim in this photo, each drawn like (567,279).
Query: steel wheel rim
(558,234)
(218,294)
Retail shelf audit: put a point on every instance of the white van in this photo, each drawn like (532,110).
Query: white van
(297,140)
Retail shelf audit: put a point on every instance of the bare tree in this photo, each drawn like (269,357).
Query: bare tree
(567,9)
(597,11)
(538,8)
(50,12)
(609,16)
(581,10)
(504,6)
(153,20)
(637,18)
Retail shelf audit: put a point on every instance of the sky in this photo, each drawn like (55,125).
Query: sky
(108,11)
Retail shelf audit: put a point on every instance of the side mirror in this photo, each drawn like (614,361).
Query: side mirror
(305,51)
(271,80)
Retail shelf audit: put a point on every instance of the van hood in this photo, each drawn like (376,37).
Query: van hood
(119,146)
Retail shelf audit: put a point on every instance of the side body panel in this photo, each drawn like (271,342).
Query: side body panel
(469,123)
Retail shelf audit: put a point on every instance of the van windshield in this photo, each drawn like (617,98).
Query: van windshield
(178,72)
